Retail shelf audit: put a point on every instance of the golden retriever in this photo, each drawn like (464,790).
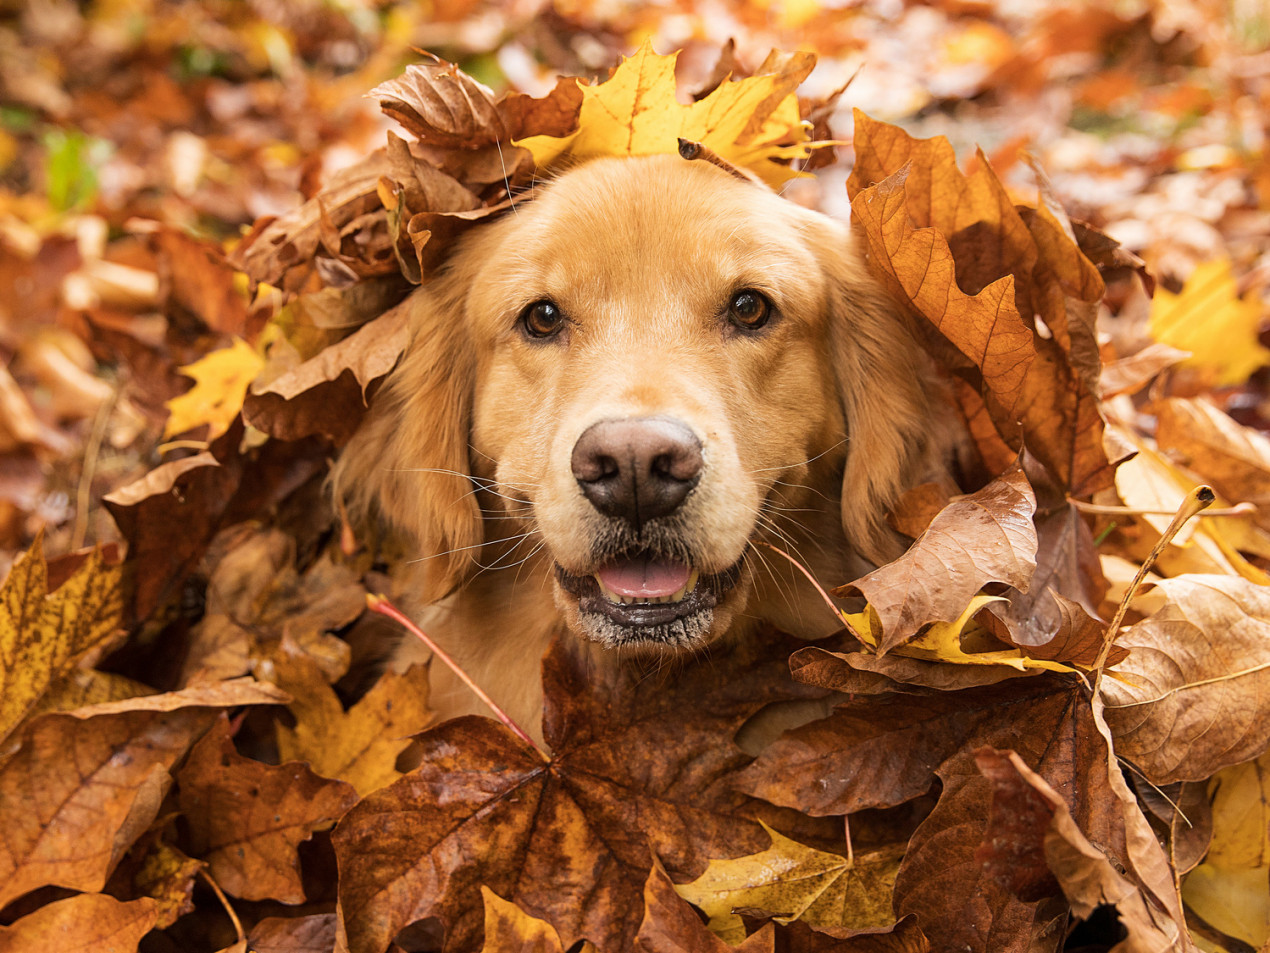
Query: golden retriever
(611,396)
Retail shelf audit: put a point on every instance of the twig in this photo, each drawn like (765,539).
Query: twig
(224,902)
(88,469)
(381,605)
(1239,509)
(694,150)
(837,613)
(1197,500)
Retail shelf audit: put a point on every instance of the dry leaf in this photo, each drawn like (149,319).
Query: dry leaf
(1211,321)
(985,537)
(247,818)
(1191,697)
(220,384)
(87,923)
(753,123)
(1229,890)
(43,635)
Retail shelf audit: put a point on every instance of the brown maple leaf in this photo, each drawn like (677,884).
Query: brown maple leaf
(641,767)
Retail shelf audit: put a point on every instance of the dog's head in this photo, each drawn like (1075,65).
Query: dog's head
(639,375)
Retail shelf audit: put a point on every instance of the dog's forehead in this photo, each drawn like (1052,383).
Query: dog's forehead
(662,213)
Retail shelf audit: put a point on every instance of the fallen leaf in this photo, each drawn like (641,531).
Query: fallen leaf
(309,934)
(672,926)
(1229,889)
(247,819)
(76,795)
(1233,458)
(360,745)
(43,634)
(754,123)
(1191,696)
(790,881)
(1087,876)
(442,105)
(329,393)
(508,929)
(221,380)
(1210,320)
(641,766)
(87,923)
(985,537)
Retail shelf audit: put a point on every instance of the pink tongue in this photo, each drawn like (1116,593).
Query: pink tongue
(644,579)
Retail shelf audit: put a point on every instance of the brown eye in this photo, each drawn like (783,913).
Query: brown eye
(749,310)
(542,319)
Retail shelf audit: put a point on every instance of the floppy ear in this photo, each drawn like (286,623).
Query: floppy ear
(408,463)
(884,383)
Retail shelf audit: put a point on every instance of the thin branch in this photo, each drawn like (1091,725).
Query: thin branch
(381,605)
(224,902)
(1198,499)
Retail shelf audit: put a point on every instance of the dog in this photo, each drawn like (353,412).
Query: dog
(615,399)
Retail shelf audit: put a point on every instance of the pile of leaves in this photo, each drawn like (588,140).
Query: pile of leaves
(194,758)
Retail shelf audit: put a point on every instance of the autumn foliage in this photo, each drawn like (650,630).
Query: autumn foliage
(198,749)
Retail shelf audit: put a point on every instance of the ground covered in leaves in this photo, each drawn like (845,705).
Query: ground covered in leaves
(205,227)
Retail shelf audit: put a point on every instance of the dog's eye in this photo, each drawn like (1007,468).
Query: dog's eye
(749,310)
(542,319)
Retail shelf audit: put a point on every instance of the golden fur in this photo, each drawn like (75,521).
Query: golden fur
(809,428)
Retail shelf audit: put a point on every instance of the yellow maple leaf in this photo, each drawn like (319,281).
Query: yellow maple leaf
(43,635)
(941,642)
(1229,889)
(221,380)
(1209,319)
(792,881)
(752,123)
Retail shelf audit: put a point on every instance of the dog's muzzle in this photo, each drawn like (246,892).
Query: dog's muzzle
(635,471)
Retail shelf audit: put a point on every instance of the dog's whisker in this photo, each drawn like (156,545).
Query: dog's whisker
(460,549)
(800,463)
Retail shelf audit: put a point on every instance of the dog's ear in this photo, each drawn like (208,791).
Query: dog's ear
(408,463)
(883,379)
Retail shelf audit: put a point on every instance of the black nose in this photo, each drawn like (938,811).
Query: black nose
(639,468)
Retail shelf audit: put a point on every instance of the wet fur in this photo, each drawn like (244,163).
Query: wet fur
(811,427)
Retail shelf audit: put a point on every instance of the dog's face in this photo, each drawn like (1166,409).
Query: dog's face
(648,370)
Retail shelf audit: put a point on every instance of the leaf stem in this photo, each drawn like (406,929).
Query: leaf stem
(380,604)
(837,613)
(224,902)
(1198,499)
(1239,509)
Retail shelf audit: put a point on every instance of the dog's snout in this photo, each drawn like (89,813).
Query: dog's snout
(639,468)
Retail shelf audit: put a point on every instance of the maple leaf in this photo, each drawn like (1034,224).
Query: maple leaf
(1233,458)
(1192,694)
(359,746)
(87,923)
(752,123)
(672,926)
(43,635)
(247,819)
(790,881)
(985,537)
(220,384)
(1228,889)
(508,928)
(1210,320)
(641,766)
(84,785)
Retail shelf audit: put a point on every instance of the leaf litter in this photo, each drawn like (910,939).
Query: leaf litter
(192,759)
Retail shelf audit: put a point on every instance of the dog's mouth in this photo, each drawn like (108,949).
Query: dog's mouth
(645,599)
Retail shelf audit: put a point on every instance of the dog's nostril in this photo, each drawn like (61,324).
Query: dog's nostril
(639,468)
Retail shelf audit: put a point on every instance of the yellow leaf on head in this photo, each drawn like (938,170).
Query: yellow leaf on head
(752,123)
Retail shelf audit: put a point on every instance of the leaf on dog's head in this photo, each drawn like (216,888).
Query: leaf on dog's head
(754,123)
(442,105)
